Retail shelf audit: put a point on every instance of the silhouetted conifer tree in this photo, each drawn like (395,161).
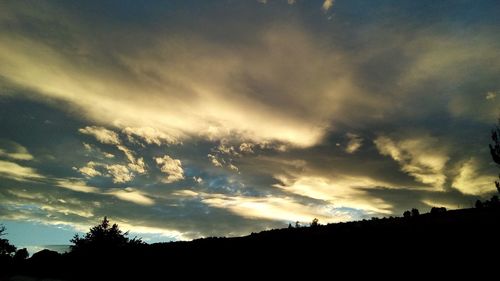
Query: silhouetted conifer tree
(103,235)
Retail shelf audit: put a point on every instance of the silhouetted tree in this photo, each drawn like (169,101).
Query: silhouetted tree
(102,236)
(315,222)
(414,212)
(479,204)
(290,225)
(495,147)
(407,214)
(297,224)
(495,202)
(495,150)
(6,249)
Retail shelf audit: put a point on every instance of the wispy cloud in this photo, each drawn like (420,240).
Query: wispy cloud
(342,191)
(101,134)
(14,151)
(491,95)
(149,135)
(132,195)
(354,143)
(420,157)
(15,171)
(284,209)
(76,185)
(470,181)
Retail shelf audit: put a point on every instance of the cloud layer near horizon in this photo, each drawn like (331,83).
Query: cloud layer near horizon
(183,119)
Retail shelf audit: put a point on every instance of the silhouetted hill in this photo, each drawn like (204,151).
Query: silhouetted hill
(456,240)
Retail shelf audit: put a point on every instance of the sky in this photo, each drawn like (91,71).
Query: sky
(187,119)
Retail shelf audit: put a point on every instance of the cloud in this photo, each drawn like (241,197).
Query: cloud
(164,232)
(136,165)
(225,148)
(119,173)
(432,203)
(18,172)
(76,185)
(66,211)
(132,195)
(226,87)
(108,155)
(233,167)
(354,143)
(421,157)
(471,181)
(246,147)
(491,95)
(271,97)
(171,167)
(14,151)
(327,5)
(284,209)
(342,191)
(89,170)
(102,134)
(87,147)
(150,135)
(214,160)
(96,151)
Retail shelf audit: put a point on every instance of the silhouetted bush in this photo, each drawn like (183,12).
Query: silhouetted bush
(21,254)
(315,222)
(45,254)
(438,210)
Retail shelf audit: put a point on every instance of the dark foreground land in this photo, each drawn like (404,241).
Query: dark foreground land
(456,240)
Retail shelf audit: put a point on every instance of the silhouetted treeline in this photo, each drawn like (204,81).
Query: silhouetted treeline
(454,236)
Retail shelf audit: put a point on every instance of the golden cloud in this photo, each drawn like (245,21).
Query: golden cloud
(271,207)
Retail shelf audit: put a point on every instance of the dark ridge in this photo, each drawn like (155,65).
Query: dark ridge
(457,237)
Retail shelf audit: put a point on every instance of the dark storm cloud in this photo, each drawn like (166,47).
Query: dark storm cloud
(196,118)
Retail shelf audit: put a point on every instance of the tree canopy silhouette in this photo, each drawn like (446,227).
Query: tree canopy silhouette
(495,147)
(495,150)
(6,249)
(102,236)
